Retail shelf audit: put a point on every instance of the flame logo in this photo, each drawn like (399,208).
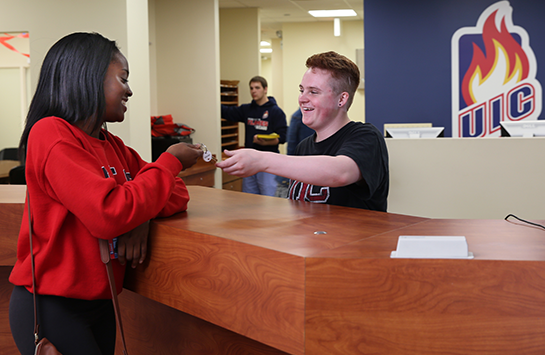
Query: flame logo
(504,64)
(493,75)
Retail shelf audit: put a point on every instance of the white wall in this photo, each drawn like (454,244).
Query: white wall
(11,116)
(272,69)
(239,51)
(239,47)
(153,58)
(276,74)
(14,88)
(484,178)
(266,72)
(136,130)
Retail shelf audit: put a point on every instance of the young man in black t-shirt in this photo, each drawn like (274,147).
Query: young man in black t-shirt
(345,162)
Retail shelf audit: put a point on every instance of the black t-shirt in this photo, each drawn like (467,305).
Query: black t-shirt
(363,143)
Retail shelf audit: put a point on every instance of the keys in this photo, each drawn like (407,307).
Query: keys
(207,155)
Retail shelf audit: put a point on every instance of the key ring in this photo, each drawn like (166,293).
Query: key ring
(207,155)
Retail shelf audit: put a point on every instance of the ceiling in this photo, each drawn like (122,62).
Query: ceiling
(275,12)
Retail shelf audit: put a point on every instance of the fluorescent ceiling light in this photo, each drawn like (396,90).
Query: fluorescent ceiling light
(333,13)
(265,50)
(336,27)
(265,43)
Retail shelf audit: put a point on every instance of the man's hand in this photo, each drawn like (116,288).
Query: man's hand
(242,162)
(133,245)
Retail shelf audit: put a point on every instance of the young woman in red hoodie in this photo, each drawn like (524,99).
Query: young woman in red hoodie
(84,184)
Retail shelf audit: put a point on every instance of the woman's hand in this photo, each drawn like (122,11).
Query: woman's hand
(133,245)
(186,153)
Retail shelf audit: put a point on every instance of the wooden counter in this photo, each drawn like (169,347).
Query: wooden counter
(246,274)
(202,174)
(361,301)
(12,204)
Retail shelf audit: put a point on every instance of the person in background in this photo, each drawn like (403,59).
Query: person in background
(297,131)
(345,162)
(261,117)
(84,184)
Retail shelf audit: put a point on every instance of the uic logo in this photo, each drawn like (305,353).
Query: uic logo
(493,75)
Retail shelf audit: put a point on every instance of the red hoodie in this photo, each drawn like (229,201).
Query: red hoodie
(83,188)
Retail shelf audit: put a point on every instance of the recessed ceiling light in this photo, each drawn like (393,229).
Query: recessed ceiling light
(333,13)
(264,43)
(336,27)
(265,50)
